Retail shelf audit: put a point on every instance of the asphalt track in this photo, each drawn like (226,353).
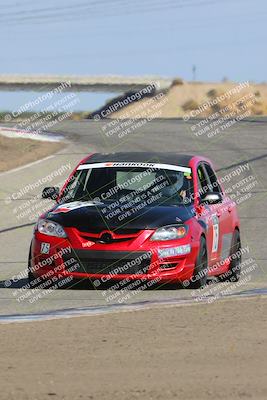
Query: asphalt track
(241,147)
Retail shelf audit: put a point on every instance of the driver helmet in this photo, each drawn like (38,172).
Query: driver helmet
(173,183)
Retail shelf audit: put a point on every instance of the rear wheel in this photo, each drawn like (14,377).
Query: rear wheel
(199,279)
(233,273)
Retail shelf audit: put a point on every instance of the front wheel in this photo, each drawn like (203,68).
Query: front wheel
(31,278)
(199,279)
(34,282)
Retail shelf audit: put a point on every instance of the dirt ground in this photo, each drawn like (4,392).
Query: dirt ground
(182,98)
(17,152)
(202,352)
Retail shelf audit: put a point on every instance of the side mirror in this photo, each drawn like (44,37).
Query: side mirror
(50,193)
(211,198)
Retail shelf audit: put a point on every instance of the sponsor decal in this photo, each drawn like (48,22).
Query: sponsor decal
(88,244)
(45,248)
(135,165)
(67,207)
(215,237)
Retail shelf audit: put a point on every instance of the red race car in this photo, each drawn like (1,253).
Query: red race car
(147,216)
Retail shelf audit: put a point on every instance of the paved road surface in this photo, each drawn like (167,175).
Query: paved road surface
(240,148)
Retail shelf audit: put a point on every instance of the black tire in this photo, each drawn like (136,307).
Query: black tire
(233,274)
(77,284)
(199,279)
(31,278)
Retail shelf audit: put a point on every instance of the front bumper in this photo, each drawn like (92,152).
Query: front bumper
(108,262)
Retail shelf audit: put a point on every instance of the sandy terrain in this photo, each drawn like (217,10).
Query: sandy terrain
(17,152)
(182,98)
(202,352)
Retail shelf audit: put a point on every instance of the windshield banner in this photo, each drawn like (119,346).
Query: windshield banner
(134,165)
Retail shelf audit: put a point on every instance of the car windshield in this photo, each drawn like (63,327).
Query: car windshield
(152,185)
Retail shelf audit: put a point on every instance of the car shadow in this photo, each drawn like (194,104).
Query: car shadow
(10,284)
(86,284)
(114,285)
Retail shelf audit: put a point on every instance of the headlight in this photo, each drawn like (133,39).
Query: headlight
(170,232)
(50,228)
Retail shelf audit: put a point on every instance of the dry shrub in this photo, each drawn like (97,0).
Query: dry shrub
(177,82)
(259,108)
(214,93)
(190,105)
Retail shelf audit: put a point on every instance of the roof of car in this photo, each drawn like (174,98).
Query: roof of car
(145,157)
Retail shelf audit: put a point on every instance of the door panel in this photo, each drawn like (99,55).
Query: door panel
(209,217)
(221,216)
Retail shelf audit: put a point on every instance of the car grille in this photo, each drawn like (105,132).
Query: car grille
(99,239)
(118,231)
(105,262)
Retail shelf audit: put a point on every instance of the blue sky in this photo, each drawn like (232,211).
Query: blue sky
(223,38)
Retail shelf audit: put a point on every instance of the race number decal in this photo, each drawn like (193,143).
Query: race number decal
(215,233)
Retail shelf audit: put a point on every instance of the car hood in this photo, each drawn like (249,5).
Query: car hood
(86,216)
